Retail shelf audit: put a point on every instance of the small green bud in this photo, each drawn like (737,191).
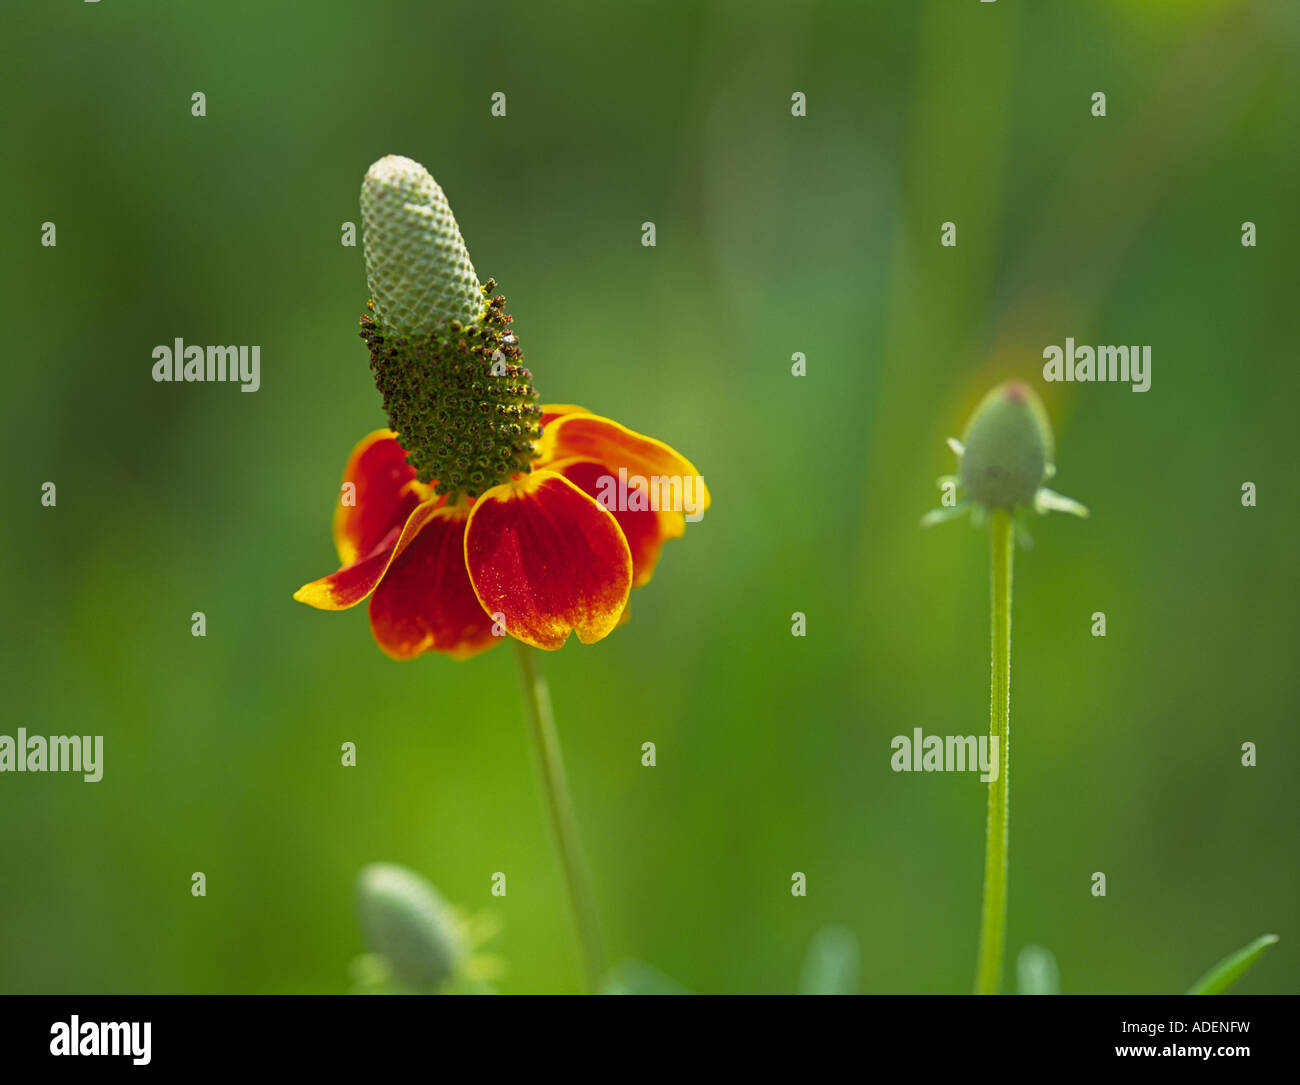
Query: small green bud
(417,266)
(404,919)
(1007,448)
(1005,458)
(1037,972)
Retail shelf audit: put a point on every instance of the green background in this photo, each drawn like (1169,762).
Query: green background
(776,234)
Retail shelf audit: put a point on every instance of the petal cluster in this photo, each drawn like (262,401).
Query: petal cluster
(544,555)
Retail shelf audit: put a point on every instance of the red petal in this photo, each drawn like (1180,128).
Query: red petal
(386,492)
(645,529)
(425,601)
(354,582)
(549,560)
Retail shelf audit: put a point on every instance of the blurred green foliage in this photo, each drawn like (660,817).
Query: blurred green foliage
(775,235)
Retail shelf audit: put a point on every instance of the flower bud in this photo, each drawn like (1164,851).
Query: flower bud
(1008,449)
(404,919)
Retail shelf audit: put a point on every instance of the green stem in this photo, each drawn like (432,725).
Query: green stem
(993,919)
(559,803)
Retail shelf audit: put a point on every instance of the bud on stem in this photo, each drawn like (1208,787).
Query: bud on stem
(1008,448)
(405,921)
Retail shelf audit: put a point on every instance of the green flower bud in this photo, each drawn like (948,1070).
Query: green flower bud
(417,266)
(1008,448)
(404,919)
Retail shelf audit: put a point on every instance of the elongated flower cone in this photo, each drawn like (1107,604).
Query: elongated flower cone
(441,348)
(417,266)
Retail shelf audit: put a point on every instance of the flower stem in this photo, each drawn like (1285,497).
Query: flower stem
(993,920)
(559,803)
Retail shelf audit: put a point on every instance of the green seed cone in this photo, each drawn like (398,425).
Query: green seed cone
(417,266)
(444,358)
(404,919)
(1008,448)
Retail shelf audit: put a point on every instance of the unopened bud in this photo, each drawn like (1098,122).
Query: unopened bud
(1007,448)
(404,919)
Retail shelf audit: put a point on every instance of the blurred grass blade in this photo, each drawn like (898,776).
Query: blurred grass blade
(1036,972)
(831,967)
(1224,974)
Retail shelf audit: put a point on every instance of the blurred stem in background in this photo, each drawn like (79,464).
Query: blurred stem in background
(993,921)
(559,803)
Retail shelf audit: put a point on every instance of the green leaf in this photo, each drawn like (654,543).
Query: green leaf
(1224,974)
(831,967)
(1036,972)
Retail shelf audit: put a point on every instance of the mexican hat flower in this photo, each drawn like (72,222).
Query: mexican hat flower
(479,513)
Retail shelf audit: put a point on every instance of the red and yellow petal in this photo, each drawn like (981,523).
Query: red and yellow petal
(384,493)
(351,584)
(425,601)
(551,411)
(646,530)
(591,437)
(549,560)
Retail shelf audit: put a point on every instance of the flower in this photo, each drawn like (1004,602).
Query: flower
(1004,458)
(538,556)
(478,513)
